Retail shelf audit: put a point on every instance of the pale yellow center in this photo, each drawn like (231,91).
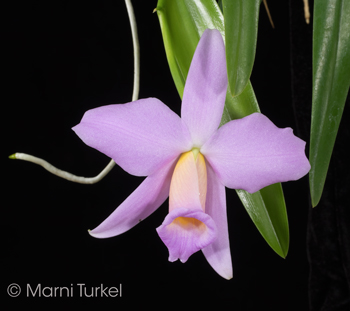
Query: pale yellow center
(189,181)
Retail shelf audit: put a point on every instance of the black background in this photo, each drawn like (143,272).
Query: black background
(61,58)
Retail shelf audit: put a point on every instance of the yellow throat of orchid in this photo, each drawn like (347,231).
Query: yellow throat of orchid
(188,186)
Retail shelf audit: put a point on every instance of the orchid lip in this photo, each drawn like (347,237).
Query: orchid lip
(187,228)
(186,231)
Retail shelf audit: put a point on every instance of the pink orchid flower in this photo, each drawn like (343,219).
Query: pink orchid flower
(191,159)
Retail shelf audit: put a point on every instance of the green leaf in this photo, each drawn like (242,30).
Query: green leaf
(182,24)
(272,225)
(266,207)
(241,33)
(331,80)
(240,106)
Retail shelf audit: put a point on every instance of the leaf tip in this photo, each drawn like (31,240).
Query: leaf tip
(316,190)
(284,252)
(314,201)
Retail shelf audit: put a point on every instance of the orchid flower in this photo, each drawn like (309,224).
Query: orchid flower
(191,159)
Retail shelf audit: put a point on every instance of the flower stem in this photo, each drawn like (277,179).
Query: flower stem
(135,42)
(54,170)
(136,87)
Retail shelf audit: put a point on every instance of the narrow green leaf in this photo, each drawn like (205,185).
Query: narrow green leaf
(241,33)
(272,225)
(182,24)
(240,106)
(331,80)
(266,207)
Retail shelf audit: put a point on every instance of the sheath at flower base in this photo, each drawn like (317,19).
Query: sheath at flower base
(190,159)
